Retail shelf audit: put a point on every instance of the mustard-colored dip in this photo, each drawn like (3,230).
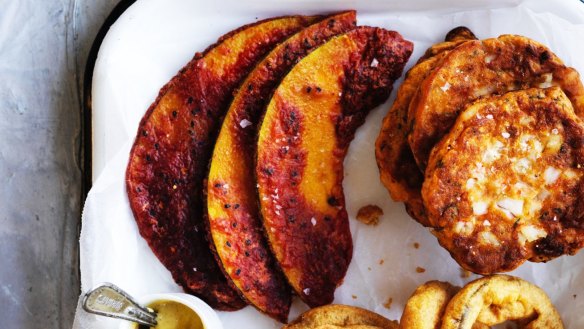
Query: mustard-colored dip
(174,315)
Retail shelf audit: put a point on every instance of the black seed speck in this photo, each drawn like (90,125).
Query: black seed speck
(217,185)
(247,242)
(227,206)
(238,271)
(148,158)
(236,206)
(318,89)
(228,244)
(156,146)
(543,57)
(308,89)
(332,201)
(174,114)
(190,100)
(144,133)
(247,254)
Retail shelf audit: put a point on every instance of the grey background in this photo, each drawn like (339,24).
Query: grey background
(43,49)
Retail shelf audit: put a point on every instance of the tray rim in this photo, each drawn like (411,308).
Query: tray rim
(86,145)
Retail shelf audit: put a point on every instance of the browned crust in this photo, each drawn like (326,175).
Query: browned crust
(505,185)
(460,33)
(479,69)
(397,166)
(168,160)
(235,227)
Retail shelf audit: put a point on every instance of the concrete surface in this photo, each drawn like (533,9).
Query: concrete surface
(43,49)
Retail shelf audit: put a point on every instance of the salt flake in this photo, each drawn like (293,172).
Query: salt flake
(445,87)
(245,123)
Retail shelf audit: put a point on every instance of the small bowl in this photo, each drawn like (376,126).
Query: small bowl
(208,316)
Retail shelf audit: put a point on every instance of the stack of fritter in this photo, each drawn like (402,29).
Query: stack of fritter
(480,304)
(484,144)
(314,79)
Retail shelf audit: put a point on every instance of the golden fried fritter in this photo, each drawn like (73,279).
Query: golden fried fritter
(426,306)
(478,69)
(505,185)
(493,300)
(340,316)
(398,169)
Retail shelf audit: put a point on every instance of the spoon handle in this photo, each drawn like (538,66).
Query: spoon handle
(109,300)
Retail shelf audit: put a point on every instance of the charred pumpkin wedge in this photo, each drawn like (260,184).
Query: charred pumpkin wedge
(169,158)
(233,214)
(303,139)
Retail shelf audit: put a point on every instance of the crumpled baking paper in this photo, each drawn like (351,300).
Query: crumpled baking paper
(155,38)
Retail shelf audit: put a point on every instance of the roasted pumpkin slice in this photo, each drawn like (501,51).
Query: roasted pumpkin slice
(478,69)
(233,213)
(397,167)
(307,128)
(169,158)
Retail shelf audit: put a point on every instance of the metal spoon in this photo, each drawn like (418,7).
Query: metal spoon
(109,300)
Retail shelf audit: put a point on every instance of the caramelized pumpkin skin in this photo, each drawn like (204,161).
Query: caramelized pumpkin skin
(302,142)
(235,227)
(169,158)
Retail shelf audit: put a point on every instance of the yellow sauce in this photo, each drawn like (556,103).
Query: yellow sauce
(171,315)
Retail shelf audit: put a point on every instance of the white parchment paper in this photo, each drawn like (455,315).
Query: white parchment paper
(155,38)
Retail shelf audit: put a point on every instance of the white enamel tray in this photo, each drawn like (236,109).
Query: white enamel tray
(153,39)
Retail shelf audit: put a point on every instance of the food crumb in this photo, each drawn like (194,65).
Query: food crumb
(574,296)
(354,296)
(416,245)
(464,273)
(387,304)
(420,269)
(381,261)
(369,268)
(369,215)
